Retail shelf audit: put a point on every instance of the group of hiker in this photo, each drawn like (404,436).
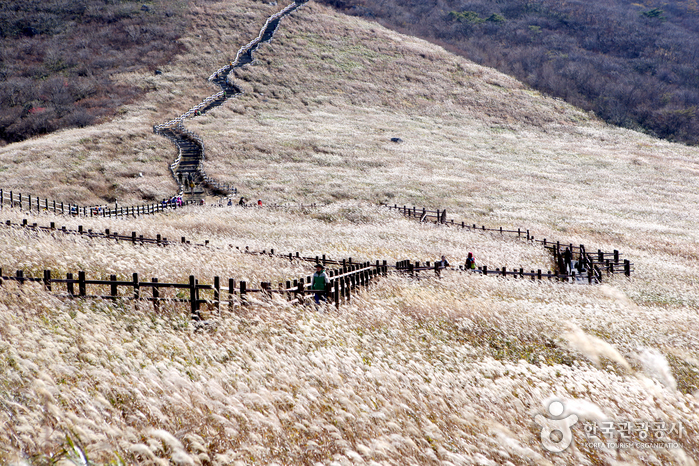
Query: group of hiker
(443,263)
(173,201)
(244,202)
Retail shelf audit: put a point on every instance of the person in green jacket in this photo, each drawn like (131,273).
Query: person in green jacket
(320,279)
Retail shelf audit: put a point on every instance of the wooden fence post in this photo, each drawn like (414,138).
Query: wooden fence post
(113,286)
(136,290)
(336,293)
(217,294)
(47,280)
(193,298)
(156,295)
(69,285)
(243,293)
(82,288)
(231,291)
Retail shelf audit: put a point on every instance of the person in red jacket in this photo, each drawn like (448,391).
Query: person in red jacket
(470,262)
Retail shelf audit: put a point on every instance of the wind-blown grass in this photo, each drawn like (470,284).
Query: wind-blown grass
(411,372)
(428,371)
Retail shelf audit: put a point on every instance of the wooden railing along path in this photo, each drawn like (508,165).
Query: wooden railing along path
(594,263)
(413,269)
(404,266)
(36,203)
(342,282)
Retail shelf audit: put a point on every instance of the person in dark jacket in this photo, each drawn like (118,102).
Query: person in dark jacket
(318,282)
(567,259)
(441,264)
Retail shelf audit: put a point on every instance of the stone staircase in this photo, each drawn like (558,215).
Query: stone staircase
(188,167)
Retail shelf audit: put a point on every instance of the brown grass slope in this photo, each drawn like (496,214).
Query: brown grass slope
(448,371)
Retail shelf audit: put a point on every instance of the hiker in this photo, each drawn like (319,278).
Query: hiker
(259,202)
(241,203)
(230,201)
(318,282)
(441,264)
(470,262)
(567,258)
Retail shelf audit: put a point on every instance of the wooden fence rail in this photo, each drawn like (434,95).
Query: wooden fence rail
(160,240)
(107,234)
(595,263)
(35,203)
(589,275)
(342,282)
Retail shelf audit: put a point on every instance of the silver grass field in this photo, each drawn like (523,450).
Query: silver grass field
(449,370)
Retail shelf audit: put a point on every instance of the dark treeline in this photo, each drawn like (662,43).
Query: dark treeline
(634,64)
(57,56)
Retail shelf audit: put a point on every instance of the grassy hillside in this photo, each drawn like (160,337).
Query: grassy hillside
(429,371)
(632,63)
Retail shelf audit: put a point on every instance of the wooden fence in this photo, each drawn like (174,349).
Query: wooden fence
(160,240)
(107,234)
(35,203)
(343,281)
(413,268)
(595,264)
(604,262)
